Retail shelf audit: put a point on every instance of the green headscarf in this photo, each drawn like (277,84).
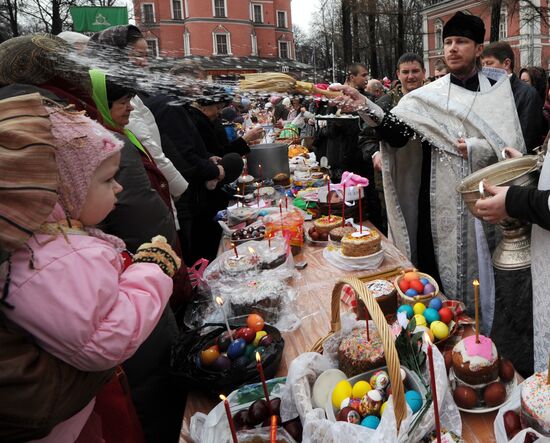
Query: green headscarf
(99,94)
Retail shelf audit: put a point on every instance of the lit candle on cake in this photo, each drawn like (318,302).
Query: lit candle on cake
(327,178)
(229,419)
(344,207)
(476,300)
(433,386)
(219,301)
(273,433)
(234,246)
(262,379)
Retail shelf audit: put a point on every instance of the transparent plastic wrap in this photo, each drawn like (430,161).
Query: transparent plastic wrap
(514,404)
(296,400)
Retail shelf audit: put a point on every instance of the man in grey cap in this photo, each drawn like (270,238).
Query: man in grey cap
(435,137)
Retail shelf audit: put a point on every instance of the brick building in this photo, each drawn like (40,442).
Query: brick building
(520,25)
(229,36)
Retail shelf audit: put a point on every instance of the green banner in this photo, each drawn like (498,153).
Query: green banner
(92,19)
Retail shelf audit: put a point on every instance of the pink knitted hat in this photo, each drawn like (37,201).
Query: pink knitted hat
(81,145)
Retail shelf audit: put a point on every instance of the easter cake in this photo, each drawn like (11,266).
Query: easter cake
(356,354)
(327,224)
(535,403)
(475,363)
(361,244)
(385,294)
(262,297)
(337,233)
(236,265)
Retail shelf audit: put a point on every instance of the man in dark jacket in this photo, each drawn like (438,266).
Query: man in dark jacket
(528,103)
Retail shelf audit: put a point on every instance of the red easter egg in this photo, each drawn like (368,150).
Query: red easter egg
(246,334)
(446,315)
(255,322)
(417,286)
(404,285)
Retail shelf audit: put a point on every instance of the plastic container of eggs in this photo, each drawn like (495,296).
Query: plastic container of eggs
(362,399)
(414,287)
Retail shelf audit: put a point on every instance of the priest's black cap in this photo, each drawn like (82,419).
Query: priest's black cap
(465,25)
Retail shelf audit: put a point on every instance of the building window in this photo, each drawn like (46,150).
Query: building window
(177,10)
(186,43)
(503,27)
(281,19)
(153,47)
(254,44)
(222,44)
(220,8)
(283,50)
(257,13)
(148,13)
(438,35)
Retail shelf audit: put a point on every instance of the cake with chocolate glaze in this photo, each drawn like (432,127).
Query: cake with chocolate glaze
(338,233)
(356,354)
(535,403)
(473,363)
(362,244)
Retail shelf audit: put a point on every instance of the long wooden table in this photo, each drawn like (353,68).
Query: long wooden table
(314,290)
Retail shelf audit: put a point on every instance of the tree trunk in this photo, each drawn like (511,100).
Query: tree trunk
(371,23)
(495,20)
(57,23)
(355,26)
(400,29)
(346,30)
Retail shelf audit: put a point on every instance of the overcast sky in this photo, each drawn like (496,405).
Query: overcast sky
(302,11)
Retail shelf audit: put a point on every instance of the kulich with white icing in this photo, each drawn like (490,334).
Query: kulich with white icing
(385,294)
(475,369)
(535,403)
(356,354)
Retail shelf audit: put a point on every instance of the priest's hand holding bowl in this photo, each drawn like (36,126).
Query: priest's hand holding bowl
(351,99)
(493,208)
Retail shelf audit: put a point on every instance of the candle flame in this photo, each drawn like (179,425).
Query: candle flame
(219,300)
(427,338)
(258,358)
(251,250)
(222,397)
(476,282)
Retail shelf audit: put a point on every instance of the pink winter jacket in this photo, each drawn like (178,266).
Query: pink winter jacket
(79,305)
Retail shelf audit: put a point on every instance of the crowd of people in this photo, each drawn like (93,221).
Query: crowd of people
(110,184)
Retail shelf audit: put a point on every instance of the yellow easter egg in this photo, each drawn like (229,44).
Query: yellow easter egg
(360,388)
(383,408)
(341,391)
(439,329)
(419,308)
(259,336)
(420,320)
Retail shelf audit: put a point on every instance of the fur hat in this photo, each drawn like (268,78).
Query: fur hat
(82,144)
(465,25)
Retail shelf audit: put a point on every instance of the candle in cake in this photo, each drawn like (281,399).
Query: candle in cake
(433,386)
(360,210)
(281,214)
(234,246)
(367,322)
(273,433)
(238,196)
(344,207)
(260,173)
(258,187)
(244,186)
(262,379)
(229,419)
(476,301)
(327,178)
(219,301)
(286,202)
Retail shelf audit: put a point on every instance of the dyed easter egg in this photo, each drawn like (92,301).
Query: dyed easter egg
(240,362)
(266,340)
(424,281)
(440,330)
(446,315)
(431,315)
(419,308)
(404,285)
(341,391)
(380,380)
(371,403)
(411,292)
(222,363)
(250,352)
(360,388)
(417,286)
(224,340)
(372,422)
(383,408)
(414,400)
(410,276)
(259,336)
(350,415)
(208,356)
(420,320)
(407,309)
(236,349)
(428,289)
(255,322)
(247,334)
(435,303)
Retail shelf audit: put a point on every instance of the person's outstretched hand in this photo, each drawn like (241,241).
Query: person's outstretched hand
(351,99)
(493,208)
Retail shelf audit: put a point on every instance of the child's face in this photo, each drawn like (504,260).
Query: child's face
(101,197)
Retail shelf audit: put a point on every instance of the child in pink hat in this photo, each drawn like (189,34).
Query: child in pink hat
(69,286)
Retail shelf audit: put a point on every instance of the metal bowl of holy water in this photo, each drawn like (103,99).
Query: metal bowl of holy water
(513,251)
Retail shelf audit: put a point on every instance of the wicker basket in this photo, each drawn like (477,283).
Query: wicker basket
(422,298)
(392,359)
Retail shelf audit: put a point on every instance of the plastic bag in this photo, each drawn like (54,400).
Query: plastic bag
(214,428)
(306,368)
(514,404)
